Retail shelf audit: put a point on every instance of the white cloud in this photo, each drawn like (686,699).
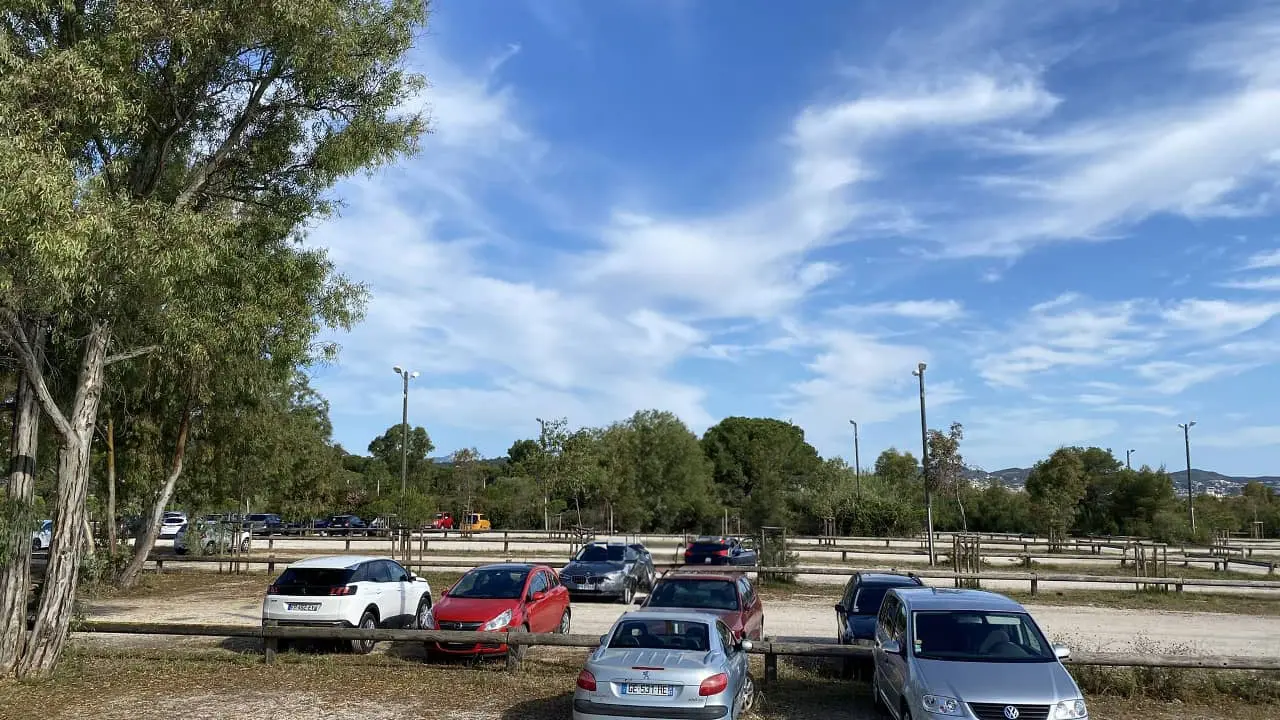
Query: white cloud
(1271,282)
(1263,260)
(1244,437)
(752,261)
(936,310)
(1221,317)
(1173,378)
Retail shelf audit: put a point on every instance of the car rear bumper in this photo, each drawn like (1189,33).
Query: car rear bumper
(591,710)
(320,622)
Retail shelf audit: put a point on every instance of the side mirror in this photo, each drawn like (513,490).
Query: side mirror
(604,639)
(536,596)
(745,645)
(891,647)
(838,607)
(1062,652)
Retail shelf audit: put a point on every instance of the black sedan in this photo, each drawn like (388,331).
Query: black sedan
(719,550)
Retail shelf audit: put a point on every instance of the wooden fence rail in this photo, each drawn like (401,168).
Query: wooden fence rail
(770,649)
(1033,578)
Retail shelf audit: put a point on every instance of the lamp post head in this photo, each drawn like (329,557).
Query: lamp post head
(398,369)
(413,374)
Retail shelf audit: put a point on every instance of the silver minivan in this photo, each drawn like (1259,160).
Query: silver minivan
(968,654)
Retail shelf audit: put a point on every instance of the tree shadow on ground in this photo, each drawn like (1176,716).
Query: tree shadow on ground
(555,707)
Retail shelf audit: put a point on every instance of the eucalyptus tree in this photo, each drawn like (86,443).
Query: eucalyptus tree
(146,147)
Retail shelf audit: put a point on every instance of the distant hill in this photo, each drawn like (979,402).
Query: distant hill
(1202,481)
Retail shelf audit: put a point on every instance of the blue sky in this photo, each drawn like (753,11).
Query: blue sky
(1068,210)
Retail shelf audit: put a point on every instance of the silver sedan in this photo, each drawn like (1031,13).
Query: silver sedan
(666,664)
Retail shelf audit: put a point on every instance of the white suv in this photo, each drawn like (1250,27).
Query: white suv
(348,591)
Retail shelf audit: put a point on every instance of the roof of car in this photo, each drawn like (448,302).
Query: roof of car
(891,579)
(336,562)
(726,576)
(670,614)
(713,539)
(930,598)
(509,566)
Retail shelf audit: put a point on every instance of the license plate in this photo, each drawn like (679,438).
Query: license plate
(305,607)
(652,690)
(707,560)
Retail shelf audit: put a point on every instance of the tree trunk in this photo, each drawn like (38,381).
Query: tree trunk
(142,549)
(111,485)
(15,574)
(58,593)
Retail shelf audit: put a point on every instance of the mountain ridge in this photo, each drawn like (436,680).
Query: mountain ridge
(1202,481)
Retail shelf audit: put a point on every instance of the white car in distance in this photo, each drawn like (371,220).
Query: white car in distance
(41,538)
(172,524)
(348,591)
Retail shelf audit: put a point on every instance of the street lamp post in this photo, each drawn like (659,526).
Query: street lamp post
(857,462)
(404,429)
(1186,441)
(924,464)
(542,444)
(1127,464)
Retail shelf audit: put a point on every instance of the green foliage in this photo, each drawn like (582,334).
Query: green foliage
(897,467)
(388,447)
(761,461)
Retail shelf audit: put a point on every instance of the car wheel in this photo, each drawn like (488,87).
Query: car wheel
(628,593)
(244,545)
(424,608)
(748,695)
(565,621)
(35,544)
(209,548)
(367,622)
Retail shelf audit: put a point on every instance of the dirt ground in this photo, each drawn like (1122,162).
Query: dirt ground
(237,599)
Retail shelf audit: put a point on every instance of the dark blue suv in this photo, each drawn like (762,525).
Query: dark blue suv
(856,612)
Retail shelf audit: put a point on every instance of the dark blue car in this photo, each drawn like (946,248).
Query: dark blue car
(719,550)
(857,610)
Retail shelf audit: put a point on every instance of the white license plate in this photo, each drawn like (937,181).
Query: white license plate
(707,560)
(304,607)
(653,690)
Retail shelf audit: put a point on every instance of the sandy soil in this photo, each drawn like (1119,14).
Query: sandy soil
(1083,628)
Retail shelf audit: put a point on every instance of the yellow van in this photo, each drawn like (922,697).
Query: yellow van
(476,522)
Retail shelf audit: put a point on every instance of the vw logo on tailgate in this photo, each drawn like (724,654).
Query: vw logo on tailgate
(1011,712)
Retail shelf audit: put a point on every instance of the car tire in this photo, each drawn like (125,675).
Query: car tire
(210,548)
(748,695)
(35,544)
(244,545)
(628,593)
(368,621)
(566,621)
(424,605)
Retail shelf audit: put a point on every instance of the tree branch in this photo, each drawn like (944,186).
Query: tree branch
(206,169)
(12,330)
(131,354)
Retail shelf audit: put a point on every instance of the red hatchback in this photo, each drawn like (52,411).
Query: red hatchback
(515,597)
(729,595)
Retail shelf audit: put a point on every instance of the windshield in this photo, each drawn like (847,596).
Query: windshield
(600,553)
(704,594)
(315,577)
(868,599)
(972,636)
(491,584)
(661,635)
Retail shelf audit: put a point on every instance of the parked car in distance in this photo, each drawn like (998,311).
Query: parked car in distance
(517,597)
(41,537)
(968,653)
(442,521)
(476,522)
(215,538)
(860,605)
(264,524)
(666,664)
(346,525)
(719,550)
(729,596)
(171,522)
(608,569)
(348,591)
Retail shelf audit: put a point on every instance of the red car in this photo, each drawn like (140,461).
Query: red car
(727,594)
(500,598)
(442,521)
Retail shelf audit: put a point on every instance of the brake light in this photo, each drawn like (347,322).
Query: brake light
(714,685)
(587,681)
(722,553)
(688,552)
(273,590)
(343,590)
